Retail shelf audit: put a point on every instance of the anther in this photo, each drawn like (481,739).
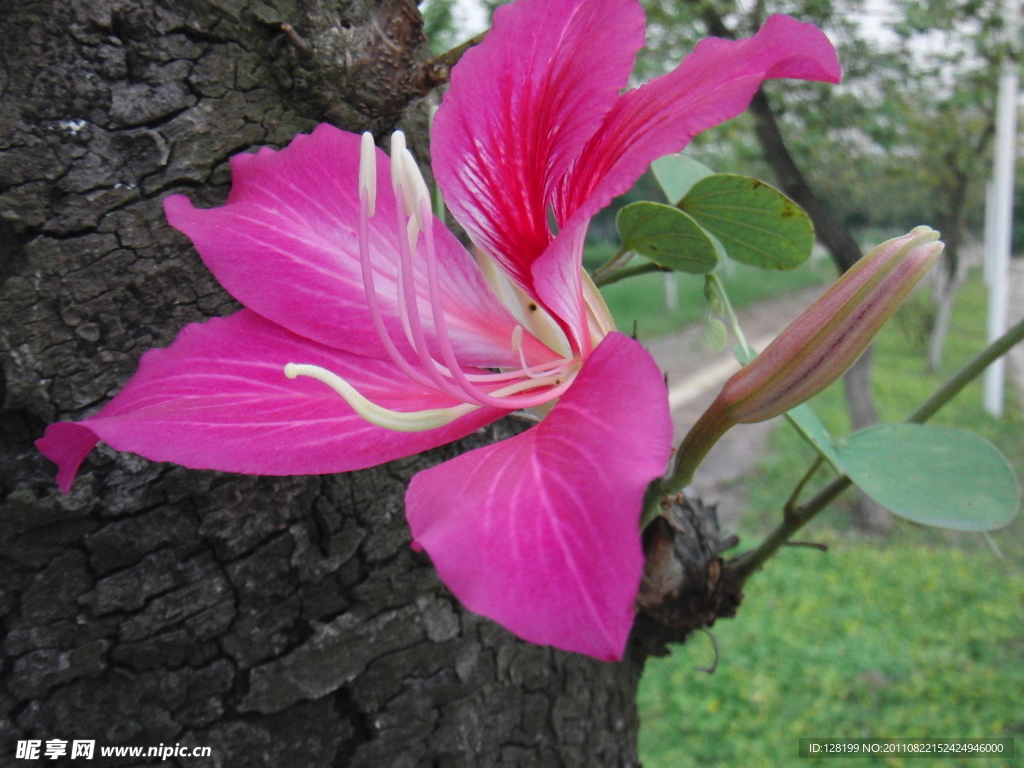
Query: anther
(397,147)
(368,173)
(399,175)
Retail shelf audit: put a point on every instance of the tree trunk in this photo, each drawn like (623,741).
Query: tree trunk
(946,283)
(279,621)
(948,275)
(868,515)
(827,228)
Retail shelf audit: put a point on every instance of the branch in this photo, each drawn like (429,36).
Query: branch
(438,70)
(621,274)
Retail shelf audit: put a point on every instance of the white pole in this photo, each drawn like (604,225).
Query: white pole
(989,248)
(1002,199)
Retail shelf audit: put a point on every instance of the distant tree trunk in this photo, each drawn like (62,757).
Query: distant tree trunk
(944,289)
(832,233)
(279,621)
(869,515)
(948,275)
(860,403)
(953,226)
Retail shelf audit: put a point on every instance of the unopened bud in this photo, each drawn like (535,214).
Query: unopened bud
(826,340)
(816,348)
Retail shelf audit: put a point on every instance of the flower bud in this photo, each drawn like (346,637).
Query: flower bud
(826,340)
(815,349)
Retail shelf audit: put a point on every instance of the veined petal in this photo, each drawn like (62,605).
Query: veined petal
(286,246)
(541,532)
(218,398)
(520,108)
(713,84)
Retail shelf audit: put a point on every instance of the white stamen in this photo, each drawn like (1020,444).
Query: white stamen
(368,173)
(413,200)
(398,421)
(397,148)
(412,421)
(413,188)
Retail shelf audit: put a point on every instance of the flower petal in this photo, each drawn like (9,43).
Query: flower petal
(520,108)
(713,84)
(217,398)
(541,532)
(286,246)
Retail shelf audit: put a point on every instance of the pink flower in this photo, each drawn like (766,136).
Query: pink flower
(395,340)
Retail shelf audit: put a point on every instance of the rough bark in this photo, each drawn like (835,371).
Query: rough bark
(280,621)
(686,585)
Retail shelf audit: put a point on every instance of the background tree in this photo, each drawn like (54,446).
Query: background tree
(904,139)
(680,26)
(944,82)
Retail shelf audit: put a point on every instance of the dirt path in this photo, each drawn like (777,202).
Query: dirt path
(696,374)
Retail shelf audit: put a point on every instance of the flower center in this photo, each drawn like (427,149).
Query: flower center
(524,387)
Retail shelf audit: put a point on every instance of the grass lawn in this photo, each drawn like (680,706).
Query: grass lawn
(921,634)
(642,299)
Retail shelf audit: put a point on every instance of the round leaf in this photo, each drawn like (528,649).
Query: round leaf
(666,236)
(676,174)
(756,224)
(932,475)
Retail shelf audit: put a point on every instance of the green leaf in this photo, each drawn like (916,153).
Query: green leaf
(756,224)
(807,423)
(932,475)
(666,236)
(676,174)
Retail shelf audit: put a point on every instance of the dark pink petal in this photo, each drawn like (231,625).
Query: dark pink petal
(286,246)
(217,398)
(541,532)
(520,108)
(713,84)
